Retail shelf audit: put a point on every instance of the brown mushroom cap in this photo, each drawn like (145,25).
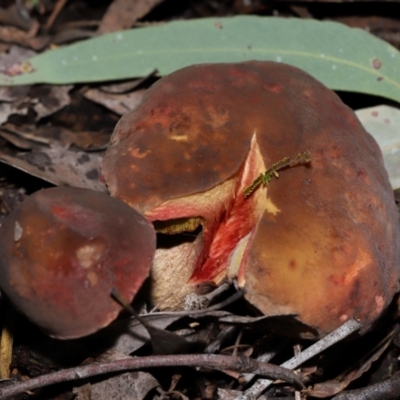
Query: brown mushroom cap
(322,241)
(62,251)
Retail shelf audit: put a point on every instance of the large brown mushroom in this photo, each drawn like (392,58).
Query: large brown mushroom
(63,250)
(321,242)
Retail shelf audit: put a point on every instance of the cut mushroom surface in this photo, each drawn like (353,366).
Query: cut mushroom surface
(321,241)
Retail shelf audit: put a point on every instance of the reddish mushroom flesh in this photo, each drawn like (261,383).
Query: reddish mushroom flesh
(321,242)
(62,251)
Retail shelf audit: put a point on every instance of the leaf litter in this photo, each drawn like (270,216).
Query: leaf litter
(128,385)
(39,137)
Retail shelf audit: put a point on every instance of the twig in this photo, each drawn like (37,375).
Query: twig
(297,351)
(56,10)
(343,331)
(237,343)
(240,364)
(215,345)
(267,357)
(386,390)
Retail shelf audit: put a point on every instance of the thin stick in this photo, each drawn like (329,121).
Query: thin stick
(386,390)
(297,351)
(240,364)
(267,357)
(56,10)
(342,332)
(264,179)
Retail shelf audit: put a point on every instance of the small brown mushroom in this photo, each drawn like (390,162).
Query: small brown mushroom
(62,251)
(321,242)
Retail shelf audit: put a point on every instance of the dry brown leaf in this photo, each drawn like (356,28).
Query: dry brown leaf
(6,342)
(122,14)
(128,335)
(16,141)
(45,100)
(119,103)
(28,137)
(10,34)
(71,35)
(7,109)
(334,386)
(9,94)
(15,55)
(125,86)
(15,16)
(51,99)
(60,167)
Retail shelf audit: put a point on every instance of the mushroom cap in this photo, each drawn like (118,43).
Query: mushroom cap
(63,249)
(323,241)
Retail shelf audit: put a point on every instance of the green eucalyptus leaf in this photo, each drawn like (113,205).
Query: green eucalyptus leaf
(341,57)
(383,123)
